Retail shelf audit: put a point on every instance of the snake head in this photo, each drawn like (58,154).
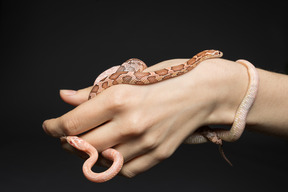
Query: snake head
(76,142)
(81,145)
(215,53)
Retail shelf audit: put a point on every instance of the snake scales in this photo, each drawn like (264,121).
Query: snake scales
(131,72)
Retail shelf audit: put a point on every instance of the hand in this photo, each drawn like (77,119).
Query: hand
(147,123)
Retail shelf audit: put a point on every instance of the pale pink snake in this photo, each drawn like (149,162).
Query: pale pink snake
(130,72)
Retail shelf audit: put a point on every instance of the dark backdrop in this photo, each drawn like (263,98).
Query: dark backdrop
(47,46)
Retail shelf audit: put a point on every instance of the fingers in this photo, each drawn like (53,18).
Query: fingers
(146,161)
(138,165)
(86,116)
(73,97)
(140,145)
(144,152)
(104,136)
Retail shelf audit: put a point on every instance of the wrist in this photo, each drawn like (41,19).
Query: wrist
(228,83)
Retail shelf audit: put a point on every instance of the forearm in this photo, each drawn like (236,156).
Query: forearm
(269,113)
(228,83)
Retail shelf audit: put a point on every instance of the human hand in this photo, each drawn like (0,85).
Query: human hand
(146,124)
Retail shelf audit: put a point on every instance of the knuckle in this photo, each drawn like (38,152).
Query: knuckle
(69,125)
(134,129)
(163,154)
(133,126)
(149,143)
(118,98)
(130,130)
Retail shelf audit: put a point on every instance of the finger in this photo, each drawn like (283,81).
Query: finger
(73,97)
(142,153)
(139,165)
(148,160)
(86,116)
(102,138)
(137,146)
(154,152)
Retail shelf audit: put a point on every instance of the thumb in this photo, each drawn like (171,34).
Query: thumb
(73,97)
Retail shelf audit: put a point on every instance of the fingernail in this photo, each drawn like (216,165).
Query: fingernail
(68,92)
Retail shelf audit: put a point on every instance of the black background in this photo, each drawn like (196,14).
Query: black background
(47,46)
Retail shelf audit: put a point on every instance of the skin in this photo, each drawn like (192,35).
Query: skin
(139,122)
